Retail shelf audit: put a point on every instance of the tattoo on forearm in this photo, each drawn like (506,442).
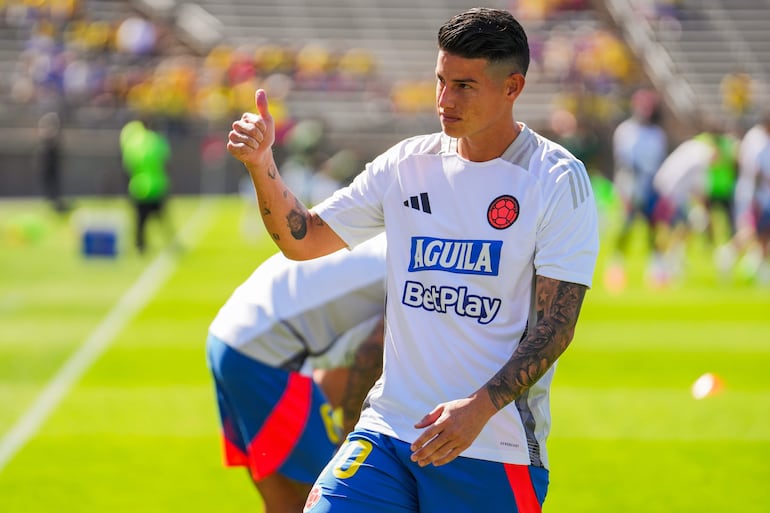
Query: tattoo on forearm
(365,370)
(272,171)
(558,307)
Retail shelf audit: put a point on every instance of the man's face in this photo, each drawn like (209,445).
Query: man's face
(472,98)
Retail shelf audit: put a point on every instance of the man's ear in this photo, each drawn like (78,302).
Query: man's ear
(514,85)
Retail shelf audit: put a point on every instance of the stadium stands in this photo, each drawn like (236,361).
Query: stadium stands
(364,67)
(705,41)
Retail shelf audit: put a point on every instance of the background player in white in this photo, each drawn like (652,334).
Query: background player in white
(639,145)
(762,206)
(742,248)
(290,320)
(681,184)
(492,241)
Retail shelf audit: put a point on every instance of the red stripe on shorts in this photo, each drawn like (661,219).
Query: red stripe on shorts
(523,491)
(283,427)
(234,457)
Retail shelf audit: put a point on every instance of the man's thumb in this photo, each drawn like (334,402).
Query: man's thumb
(260,98)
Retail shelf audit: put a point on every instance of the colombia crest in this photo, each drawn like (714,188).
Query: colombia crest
(503,212)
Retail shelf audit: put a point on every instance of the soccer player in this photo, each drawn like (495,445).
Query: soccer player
(294,344)
(681,186)
(742,248)
(492,241)
(762,203)
(640,145)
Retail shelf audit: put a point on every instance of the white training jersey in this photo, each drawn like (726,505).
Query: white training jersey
(318,310)
(683,175)
(752,143)
(762,192)
(465,240)
(639,148)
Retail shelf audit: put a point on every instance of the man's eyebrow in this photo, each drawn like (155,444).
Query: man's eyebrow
(458,80)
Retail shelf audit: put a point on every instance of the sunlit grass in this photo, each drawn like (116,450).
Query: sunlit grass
(139,430)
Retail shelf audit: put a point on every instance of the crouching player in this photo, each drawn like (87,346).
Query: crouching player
(296,344)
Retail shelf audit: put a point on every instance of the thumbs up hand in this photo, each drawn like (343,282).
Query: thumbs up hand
(252,137)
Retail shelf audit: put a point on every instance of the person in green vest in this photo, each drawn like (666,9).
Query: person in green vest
(720,178)
(144,153)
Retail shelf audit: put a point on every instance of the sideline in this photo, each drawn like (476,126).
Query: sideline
(99,340)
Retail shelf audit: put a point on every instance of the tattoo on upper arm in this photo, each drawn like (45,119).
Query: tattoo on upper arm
(297,219)
(297,224)
(557,306)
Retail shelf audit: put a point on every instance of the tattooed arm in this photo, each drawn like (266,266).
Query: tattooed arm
(298,231)
(558,306)
(453,426)
(365,370)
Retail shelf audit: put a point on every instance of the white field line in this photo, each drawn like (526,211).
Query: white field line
(99,340)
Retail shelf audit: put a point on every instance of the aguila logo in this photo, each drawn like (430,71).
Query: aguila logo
(503,212)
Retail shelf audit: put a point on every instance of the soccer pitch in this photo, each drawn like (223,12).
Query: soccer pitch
(107,405)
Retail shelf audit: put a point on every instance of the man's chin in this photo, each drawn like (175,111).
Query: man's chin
(451,130)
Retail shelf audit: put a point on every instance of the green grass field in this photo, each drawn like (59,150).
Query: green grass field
(107,405)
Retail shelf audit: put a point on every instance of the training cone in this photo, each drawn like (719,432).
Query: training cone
(707,385)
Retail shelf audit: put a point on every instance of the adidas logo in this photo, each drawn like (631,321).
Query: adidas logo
(420,202)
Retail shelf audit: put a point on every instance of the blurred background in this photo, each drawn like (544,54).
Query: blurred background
(355,75)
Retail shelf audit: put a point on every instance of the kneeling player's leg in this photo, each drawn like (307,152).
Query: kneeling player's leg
(281,494)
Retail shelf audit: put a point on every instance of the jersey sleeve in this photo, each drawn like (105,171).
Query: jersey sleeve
(568,239)
(355,212)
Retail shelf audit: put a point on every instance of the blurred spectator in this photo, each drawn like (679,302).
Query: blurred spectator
(314,65)
(356,67)
(413,96)
(49,132)
(240,67)
(534,10)
(737,89)
(136,36)
(271,58)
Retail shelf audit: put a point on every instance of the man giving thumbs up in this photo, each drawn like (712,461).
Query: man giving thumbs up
(492,238)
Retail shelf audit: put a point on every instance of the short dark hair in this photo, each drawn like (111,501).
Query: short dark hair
(485,33)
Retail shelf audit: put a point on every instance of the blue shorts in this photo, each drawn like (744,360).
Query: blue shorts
(372,472)
(272,420)
(762,217)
